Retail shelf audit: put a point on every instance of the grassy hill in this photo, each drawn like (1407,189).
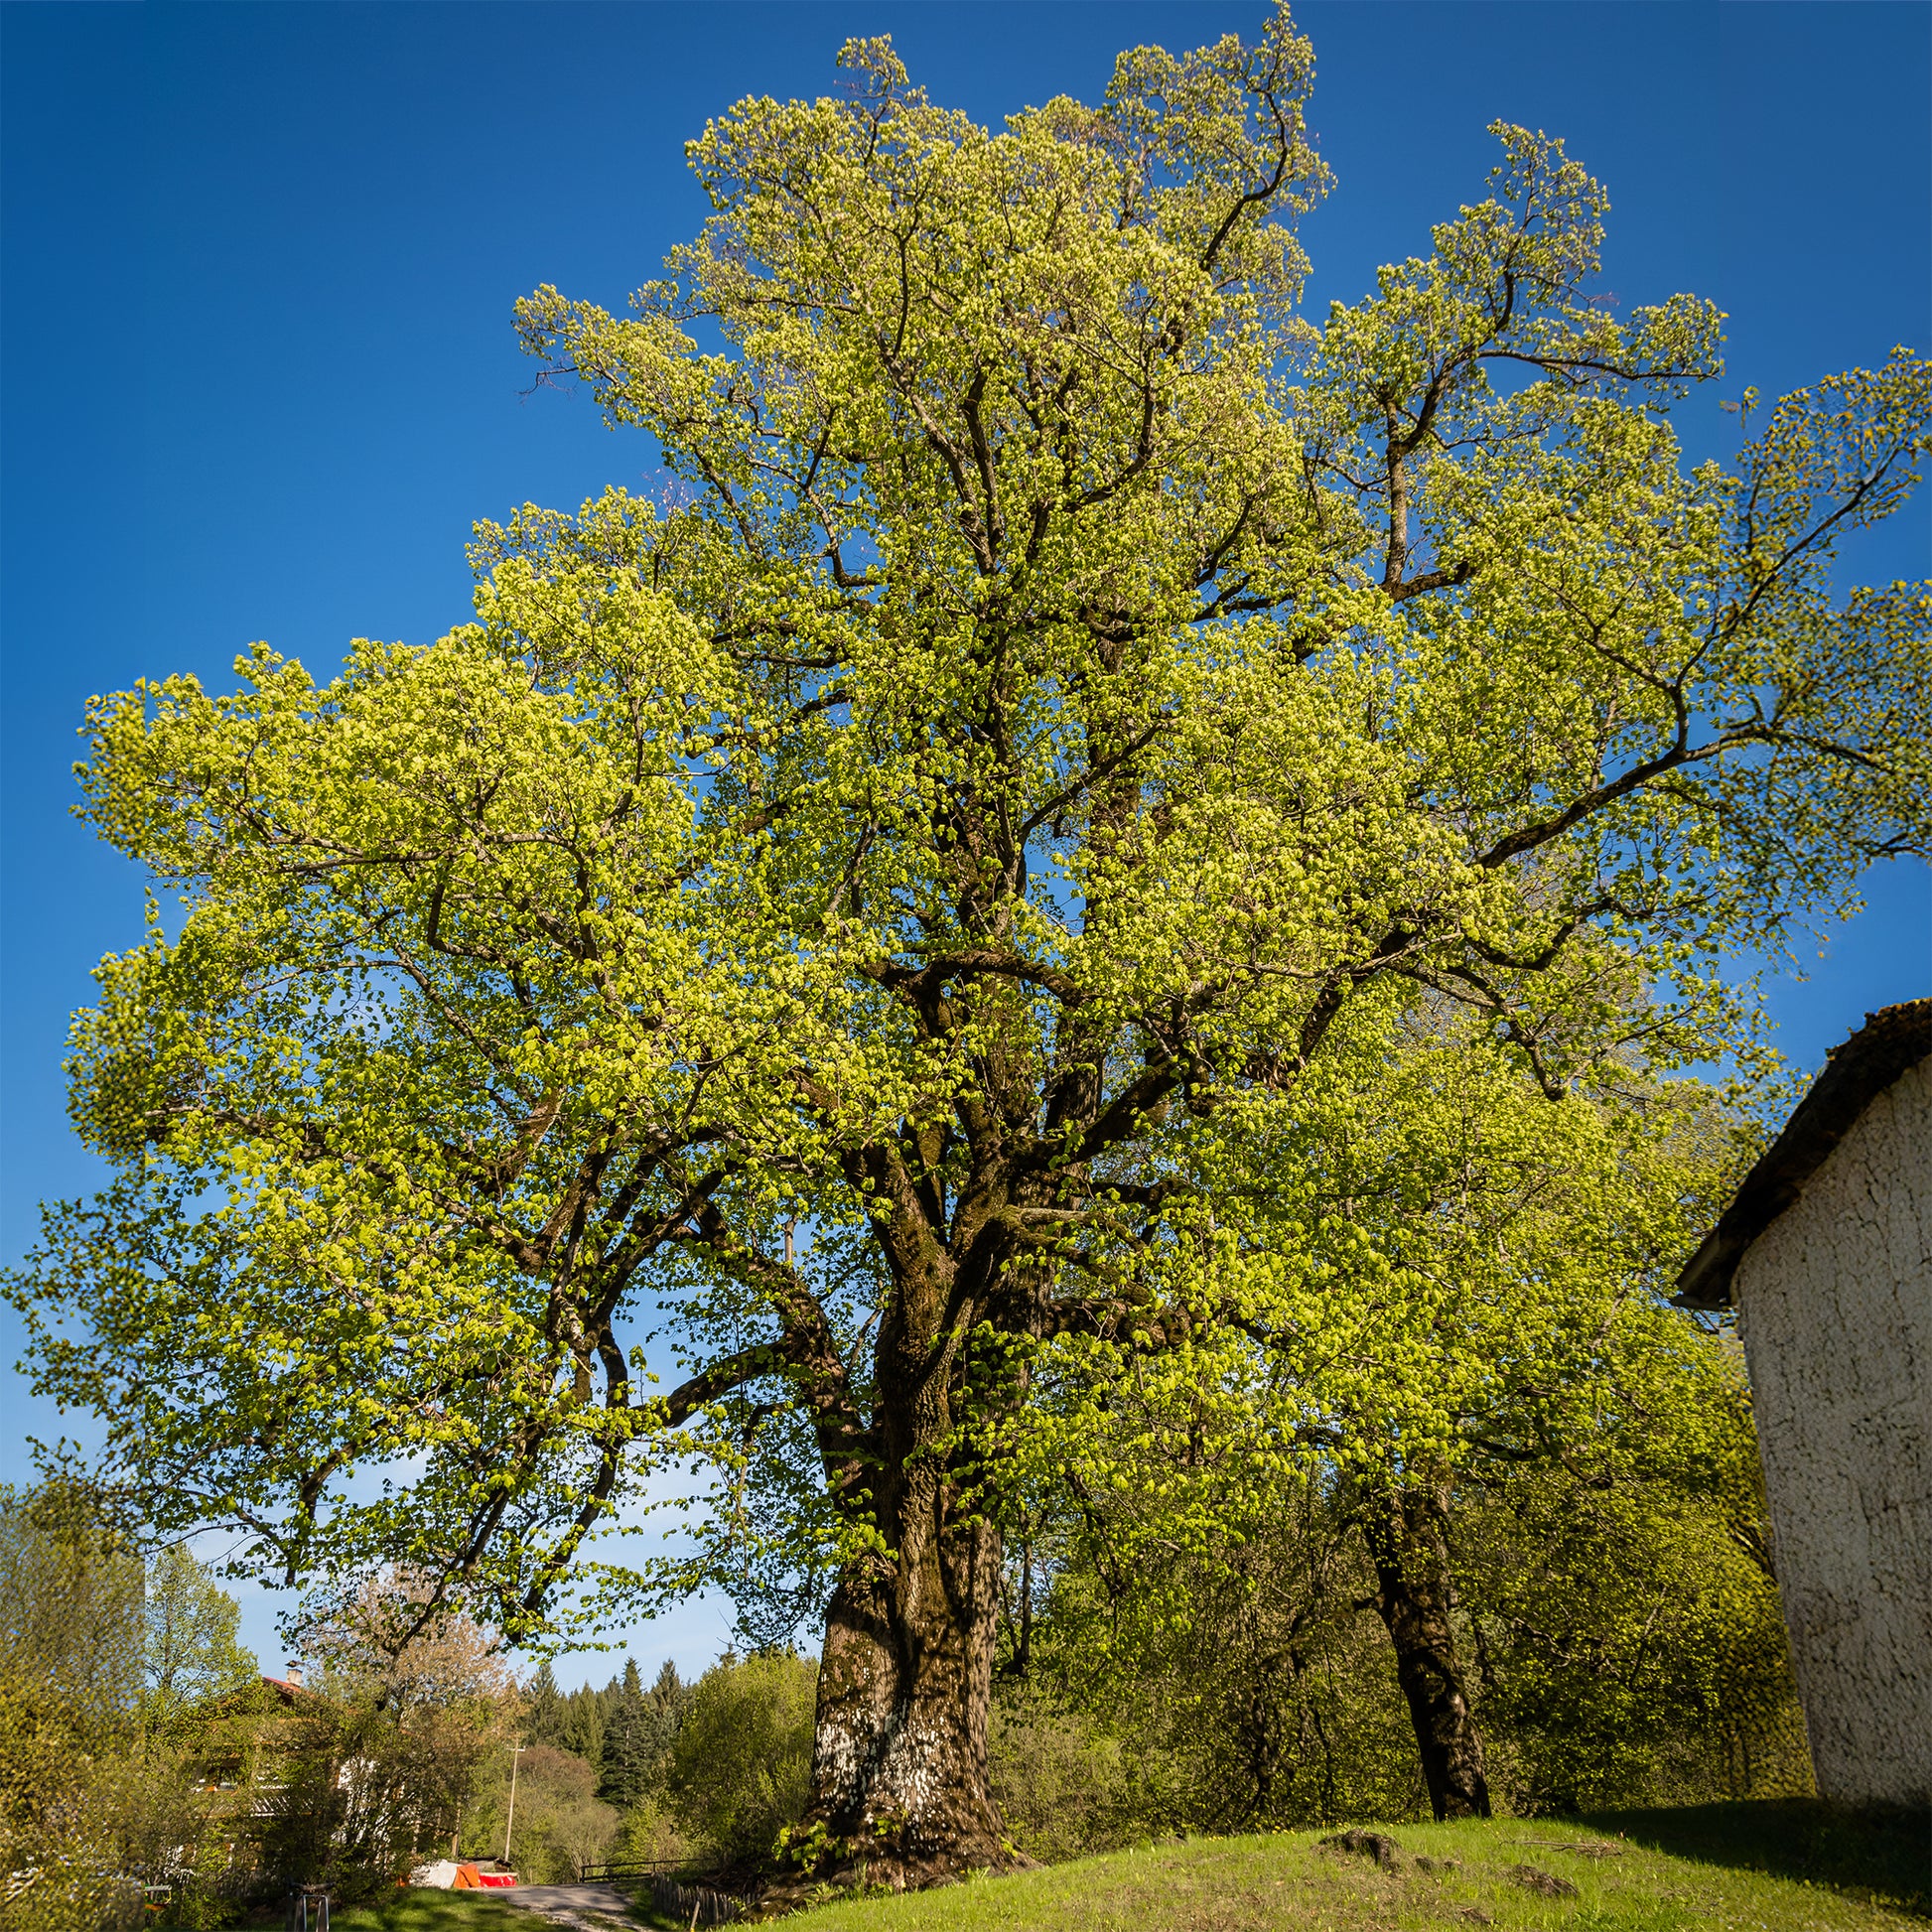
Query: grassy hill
(1291,1881)
(1787,1867)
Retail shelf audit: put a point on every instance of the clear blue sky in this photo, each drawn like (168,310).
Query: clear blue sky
(259,374)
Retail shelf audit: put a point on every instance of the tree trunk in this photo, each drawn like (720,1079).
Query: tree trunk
(899,1792)
(1405,1534)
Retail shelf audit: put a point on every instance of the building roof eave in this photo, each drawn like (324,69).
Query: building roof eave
(1890,1043)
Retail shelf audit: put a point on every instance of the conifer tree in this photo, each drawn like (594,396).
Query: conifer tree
(543,1704)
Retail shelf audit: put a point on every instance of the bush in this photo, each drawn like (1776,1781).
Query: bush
(741,1768)
(650,1834)
(1061,1783)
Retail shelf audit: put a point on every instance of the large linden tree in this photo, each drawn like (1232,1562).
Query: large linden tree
(856,919)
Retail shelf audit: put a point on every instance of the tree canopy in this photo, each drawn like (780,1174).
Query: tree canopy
(879,910)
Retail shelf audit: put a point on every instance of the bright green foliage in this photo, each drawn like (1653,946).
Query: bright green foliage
(740,1769)
(1069,711)
(1631,1646)
(1450,1269)
(70,1711)
(1462,1294)
(191,1652)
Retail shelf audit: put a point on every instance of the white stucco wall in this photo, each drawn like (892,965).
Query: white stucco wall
(1834,1300)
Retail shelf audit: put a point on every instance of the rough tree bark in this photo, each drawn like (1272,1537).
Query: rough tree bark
(899,1787)
(898,1763)
(1404,1531)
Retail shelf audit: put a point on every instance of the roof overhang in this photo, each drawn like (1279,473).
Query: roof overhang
(1889,1043)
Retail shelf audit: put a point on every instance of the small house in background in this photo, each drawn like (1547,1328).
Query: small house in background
(1826,1254)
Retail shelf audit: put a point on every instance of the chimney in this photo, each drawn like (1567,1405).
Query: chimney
(293,1672)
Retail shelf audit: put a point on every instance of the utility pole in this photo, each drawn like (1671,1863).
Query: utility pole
(511,1816)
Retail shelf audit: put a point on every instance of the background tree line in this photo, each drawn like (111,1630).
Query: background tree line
(123,1698)
(1624,1651)
(150,1773)
(1617,1616)
(1462,1445)
(1462,1515)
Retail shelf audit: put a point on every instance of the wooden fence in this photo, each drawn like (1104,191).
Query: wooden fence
(695,1905)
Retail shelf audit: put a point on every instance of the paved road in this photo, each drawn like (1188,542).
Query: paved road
(572,1906)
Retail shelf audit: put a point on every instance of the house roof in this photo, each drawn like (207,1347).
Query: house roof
(1890,1043)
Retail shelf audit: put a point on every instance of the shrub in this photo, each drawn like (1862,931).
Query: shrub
(1060,1782)
(742,1764)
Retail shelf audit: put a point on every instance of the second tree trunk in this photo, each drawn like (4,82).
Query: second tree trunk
(1407,1537)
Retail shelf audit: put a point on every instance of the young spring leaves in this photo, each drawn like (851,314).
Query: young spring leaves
(1062,683)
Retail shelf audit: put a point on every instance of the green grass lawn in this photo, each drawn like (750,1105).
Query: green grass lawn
(1736,1873)
(1786,1866)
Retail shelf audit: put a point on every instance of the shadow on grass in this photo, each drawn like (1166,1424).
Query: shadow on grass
(1885,1855)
